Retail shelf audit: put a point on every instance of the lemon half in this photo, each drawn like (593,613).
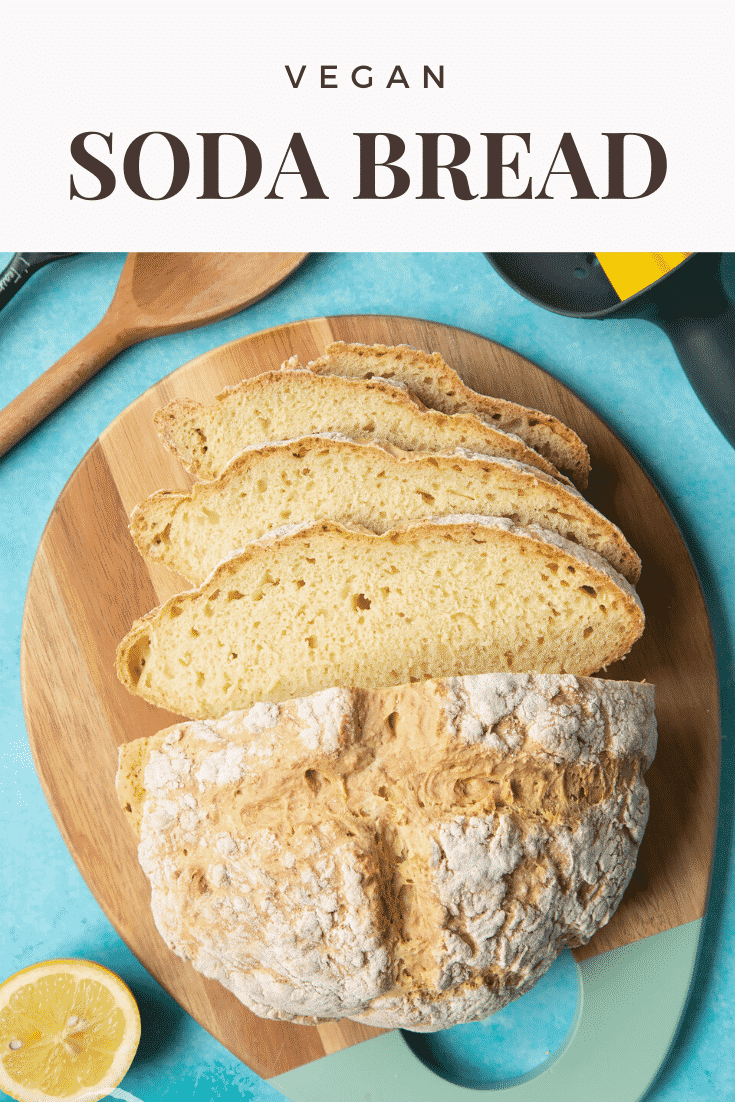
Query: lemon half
(69,1030)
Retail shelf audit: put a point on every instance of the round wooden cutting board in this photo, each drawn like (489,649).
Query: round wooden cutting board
(89,583)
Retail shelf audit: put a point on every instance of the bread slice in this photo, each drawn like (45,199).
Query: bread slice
(283,405)
(439,387)
(443,841)
(326,604)
(371,484)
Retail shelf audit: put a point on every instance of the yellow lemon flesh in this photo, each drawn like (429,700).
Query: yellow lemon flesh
(68,1030)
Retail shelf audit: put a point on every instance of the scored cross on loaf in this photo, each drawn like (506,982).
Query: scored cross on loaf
(413,857)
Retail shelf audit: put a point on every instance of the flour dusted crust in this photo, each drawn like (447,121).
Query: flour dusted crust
(412,857)
(438,386)
(283,405)
(415,855)
(372,484)
(329,604)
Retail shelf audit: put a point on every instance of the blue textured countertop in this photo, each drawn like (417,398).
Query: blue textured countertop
(626,370)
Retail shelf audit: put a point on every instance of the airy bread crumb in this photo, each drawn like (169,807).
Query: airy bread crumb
(371,484)
(326,604)
(282,405)
(438,386)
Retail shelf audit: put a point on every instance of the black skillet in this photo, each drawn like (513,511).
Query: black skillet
(690,304)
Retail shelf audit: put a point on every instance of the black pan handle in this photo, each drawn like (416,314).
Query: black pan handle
(701,326)
(19,271)
(706,350)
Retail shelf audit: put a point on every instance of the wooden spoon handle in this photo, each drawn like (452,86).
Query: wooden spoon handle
(60,381)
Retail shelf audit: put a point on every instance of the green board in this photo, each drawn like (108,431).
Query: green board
(631,1003)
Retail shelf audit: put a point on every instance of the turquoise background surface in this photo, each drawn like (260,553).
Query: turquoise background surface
(626,370)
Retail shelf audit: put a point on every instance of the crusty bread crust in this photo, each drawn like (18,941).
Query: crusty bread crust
(282,405)
(325,603)
(411,857)
(440,387)
(368,483)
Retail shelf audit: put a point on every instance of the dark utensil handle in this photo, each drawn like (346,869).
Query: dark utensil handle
(706,351)
(13,278)
(20,269)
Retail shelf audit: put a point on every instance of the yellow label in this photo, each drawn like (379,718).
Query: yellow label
(630,273)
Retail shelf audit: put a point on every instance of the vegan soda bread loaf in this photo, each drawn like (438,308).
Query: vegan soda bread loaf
(371,484)
(283,405)
(327,604)
(439,387)
(411,857)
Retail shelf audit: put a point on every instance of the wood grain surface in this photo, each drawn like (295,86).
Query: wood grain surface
(88,584)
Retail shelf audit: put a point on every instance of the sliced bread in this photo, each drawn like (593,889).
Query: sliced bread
(442,843)
(374,485)
(440,387)
(283,405)
(326,604)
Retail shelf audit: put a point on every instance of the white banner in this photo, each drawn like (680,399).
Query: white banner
(380,127)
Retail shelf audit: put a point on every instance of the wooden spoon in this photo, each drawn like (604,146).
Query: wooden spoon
(157,293)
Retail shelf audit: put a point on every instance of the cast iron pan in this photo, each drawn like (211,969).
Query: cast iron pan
(690,304)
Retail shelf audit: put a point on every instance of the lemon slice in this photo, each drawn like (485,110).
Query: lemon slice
(68,1030)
